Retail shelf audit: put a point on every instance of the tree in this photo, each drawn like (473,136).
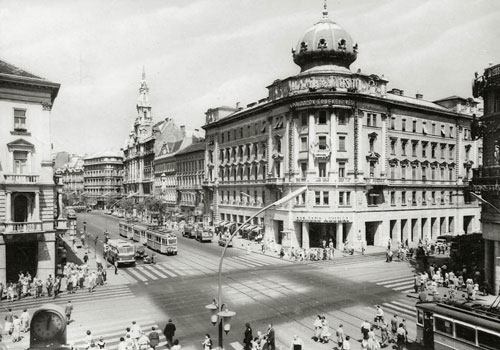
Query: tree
(127,204)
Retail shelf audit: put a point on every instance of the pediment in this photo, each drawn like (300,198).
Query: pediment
(20,144)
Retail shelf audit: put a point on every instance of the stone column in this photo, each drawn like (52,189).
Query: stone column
(358,145)
(295,148)
(270,149)
(59,203)
(305,235)
(310,166)
(3,262)
(286,148)
(340,235)
(8,207)
(333,146)
(37,205)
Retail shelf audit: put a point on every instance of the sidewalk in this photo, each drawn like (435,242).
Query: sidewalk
(76,256)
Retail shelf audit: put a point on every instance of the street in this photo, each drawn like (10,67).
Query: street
(259,288)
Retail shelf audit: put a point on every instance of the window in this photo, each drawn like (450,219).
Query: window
(414,198)
(303,169)
(424,198)
(443,325)
(424,150)
(442,197)
(433,128)
(393,146)
(325,197)
(443,146)
(414,126)
(303,119)
(393,172)
(342,119)
(413,172)
(241,132)
(303,143)
(348,198)
(467,152)
(403,147)
(372,169)
(228,136)
(322,169)
(342,143)
(451,131)
(452,148)
(393,198)
(277,166)
(403,171)
(20,161)
(450,197)
(450,174)
(263,197)
(403,125)
(414,149)
(433,197)
(317,195)
(393,123)
(424,173)
(322,117)
(19,120)
(278,144)
(487,340)
(222,137)
(341,169)
(424,128)
(322,142)
(442,173)
(341,198)
(371,119)
(433,150)
(403,197)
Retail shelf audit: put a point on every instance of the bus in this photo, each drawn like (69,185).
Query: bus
(121,251)
(448,325)
(163,241)
(126,229)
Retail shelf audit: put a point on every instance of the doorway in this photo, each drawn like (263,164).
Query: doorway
(20,208)
(321,232)
(21,257)
(371,229)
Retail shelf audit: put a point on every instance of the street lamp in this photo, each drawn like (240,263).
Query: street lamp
(481,199)
(217,310)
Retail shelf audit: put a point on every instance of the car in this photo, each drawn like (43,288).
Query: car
(140,251)
(203,234)
(223,240)
(441,242)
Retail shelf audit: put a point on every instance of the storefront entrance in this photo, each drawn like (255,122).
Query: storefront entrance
(21,257)
(321,232)
(371,229)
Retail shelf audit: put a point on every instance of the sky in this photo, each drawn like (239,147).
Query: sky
(201,54)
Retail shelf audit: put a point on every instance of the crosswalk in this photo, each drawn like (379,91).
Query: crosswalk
(403,308)
(118,292)
(399,284)
(188,264)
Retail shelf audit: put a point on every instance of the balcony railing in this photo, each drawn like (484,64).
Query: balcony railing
(21,178)
(23,227)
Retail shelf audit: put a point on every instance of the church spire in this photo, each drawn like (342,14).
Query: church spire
(143,99)
(325,9)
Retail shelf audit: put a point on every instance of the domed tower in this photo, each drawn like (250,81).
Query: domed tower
(325,46)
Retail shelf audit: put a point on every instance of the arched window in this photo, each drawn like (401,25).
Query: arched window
(342,44)
(322,45)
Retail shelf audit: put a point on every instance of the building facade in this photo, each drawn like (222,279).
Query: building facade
(379,165)
(30,204)
(138,151)
(487,86)
(190,163)
(71,175)
(103,177)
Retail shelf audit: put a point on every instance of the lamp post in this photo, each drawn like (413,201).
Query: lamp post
(481,199)
(219,311)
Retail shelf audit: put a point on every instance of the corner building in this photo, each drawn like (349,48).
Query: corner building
(488,176)
(30,200)
(377,164)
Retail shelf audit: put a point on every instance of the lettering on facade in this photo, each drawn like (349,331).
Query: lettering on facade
(323,219)
(322,102)
(494,71)
(491,187)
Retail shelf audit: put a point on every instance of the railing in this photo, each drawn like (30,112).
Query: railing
(22,227)
(21,178)
(274,180)
(375,180)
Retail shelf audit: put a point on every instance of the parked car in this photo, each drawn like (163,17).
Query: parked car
(188,230)
(140,252)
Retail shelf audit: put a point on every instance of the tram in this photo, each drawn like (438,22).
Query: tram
(140,234)
(126,229)
(446,326)
(162,241)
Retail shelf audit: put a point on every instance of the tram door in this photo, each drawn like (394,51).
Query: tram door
(428,330)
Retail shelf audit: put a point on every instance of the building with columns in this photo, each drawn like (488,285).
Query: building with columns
(138,151)
(29,202)
(378,164)
(487,177)
(103,176)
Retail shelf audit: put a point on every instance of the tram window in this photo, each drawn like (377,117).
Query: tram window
(488,340)
(443,325)
(465,333)
(420,317)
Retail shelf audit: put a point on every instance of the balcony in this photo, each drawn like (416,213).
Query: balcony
(21,179)
(376,181)
(23,227)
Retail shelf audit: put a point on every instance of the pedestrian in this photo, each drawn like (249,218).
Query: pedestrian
(340,336)
(25,321)
(270,337)
(85,258)
(49,285)
(297,343)
(169,332)
(325,331)
(9,318)
(135,332)
(176,346)
(101,344)
(154,338)
(365,328)
(16,329)
(394,327)
(400,337)
(57,287)
(346,345)
(379,317)
(68,309)
(122,345)
(207,342)
(384,334)
(116,266)
(143,342)
(318,324)
(247,340)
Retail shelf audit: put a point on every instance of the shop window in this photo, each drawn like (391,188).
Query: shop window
(322,117)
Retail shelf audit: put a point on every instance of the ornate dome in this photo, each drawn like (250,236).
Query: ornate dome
(325,44)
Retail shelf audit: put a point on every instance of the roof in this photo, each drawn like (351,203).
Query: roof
(10,69)
(103,154)
(452,97)
(415,101)
(198,146)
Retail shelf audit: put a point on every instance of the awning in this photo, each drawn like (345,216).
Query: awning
(247,227)
(220,223)
(257,229)
(228,224)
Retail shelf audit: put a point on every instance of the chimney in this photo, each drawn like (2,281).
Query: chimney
(397,92)
(419,96)
(183,129)
(237,105)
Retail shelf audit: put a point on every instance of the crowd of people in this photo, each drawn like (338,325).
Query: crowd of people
(28,286)
(259,341)
(81,277)
(14,325)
